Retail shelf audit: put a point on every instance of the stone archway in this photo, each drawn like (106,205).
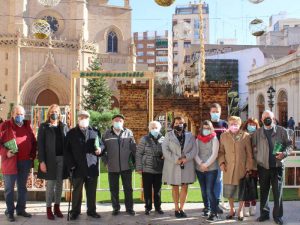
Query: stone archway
(282,104)
(46,98)
(260,105)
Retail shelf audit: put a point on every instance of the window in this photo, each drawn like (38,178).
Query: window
(140,60)
(187,20)
(112,42)
(162,52)
(150,61)
(196,24)
(151,69)
(152,53)
(6,87)
(6,55)
(150,45)
(175,44)
(187,44)
(53,22)
(140,53)
(162,58)
(139,46)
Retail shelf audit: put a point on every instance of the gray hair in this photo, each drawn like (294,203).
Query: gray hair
(14,109)
(269,112)
(154,123)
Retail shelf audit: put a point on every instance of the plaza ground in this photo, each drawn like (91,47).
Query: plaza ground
(193,210)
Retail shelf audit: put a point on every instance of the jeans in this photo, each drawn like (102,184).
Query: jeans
(23,168)
(207,182)
(113,179)
(150,181)
(219,186)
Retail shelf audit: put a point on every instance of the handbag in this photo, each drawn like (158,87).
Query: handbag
(248,188)
(157,161)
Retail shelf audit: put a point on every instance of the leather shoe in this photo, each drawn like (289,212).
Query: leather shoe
(94,215)
(73,216)
(10,217)
(131,212)
(278,221)
(115,212)
(24,214)
(159,211)
(147,212)
(262,218)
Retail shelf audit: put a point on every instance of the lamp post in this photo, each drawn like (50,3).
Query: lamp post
(271,93)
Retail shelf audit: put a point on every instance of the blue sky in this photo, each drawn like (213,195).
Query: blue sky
(228,18)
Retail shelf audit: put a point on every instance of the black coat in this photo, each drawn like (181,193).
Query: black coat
(80,150)
(46,149)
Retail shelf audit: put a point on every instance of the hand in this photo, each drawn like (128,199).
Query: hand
(203,168)
(279,155)
(9,154)
(178,162)
(223,167)
(43,167)
(98,151)
(183,160)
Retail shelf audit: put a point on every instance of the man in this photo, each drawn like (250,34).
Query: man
(291,123)
(82,158)
(220,126)
(16,166)
(119,147)
(271,145)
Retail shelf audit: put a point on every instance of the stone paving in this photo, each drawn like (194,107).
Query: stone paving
(193,210)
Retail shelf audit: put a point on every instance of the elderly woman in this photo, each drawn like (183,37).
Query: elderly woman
(207,167)
(250,126)
(235,160)
(51,141)
(149,162)
(179,150)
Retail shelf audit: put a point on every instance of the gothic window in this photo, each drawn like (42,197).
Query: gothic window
(112,42)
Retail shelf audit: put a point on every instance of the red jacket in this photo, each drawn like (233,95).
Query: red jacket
(26,142)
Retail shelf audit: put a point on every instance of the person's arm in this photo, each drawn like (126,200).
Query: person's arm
(104,150)
(190,155)
(249,155)
(68,154)
(288,143)
(221,154)
(254,144)
(168,154)
(139,154)
(215,151)
(197,158)
(41,144)
(33,143)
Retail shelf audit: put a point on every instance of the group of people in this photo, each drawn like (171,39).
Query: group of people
(219,157)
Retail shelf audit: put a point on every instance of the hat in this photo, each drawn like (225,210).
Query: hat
(118,115)
(83,113)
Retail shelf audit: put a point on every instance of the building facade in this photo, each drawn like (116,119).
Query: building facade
(37,71)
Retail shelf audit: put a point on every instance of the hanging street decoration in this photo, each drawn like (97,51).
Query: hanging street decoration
(49,3)
(41,29)
(164,3)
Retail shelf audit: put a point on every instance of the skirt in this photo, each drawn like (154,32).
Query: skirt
(231,191)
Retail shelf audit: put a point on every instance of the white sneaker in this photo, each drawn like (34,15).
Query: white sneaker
(253,210)
(246,211)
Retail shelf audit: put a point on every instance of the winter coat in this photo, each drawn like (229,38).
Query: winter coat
(147,151)
(172,173)
(47,150)
(237,156)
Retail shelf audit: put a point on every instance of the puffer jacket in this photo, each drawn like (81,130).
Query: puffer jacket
(146,152)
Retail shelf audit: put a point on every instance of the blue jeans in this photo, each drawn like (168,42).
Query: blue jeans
(219,186)
(23,168)
(207,182)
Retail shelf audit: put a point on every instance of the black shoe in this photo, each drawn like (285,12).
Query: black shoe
(262,218)
(115,212)
(278,221)
(219,210)
(73,216)
(10,217)
(24,214)
(240,218)
(159,211)
(177,214)
(205,212)
(130,212)
(147,212)
(213,218)
(94,215)
(230,217)
(183,215)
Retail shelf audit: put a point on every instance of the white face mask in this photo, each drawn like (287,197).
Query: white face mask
(84,123)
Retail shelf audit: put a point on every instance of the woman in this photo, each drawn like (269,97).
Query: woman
(179,150)
(250,126)
(149,162)
(235,160)
(207,167)
(51,141)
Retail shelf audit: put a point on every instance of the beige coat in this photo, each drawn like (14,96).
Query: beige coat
(237,156)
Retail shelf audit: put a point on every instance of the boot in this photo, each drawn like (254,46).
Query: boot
(57,211)
(50,215)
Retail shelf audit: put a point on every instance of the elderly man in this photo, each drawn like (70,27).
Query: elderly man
(16,164)
(82,152)
(271,145)
(119,146)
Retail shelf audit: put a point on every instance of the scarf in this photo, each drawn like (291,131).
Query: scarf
(206,139)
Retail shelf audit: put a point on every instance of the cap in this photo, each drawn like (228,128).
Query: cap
(83,113)
(118,115)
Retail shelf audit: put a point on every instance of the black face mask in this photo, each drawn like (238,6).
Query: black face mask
(54,116)
(179,127)
(267,121)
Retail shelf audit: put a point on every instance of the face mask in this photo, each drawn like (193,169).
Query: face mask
(179,127)
(84,123)
(206,132)
(19,119)
(118,125)
(215,116)
(54,116)
(234,128)
(251,128)
(268,121)
(154,133)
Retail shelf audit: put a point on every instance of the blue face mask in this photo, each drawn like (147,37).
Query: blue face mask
(154,133)
(215,116)
(19,119)
(118,125)
(206,132)
(251,128)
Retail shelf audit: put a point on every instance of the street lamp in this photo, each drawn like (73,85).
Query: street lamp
(271,92)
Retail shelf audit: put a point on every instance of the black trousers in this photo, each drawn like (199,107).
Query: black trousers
(150,181)
(113,179)
(270,177)
(90,185)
